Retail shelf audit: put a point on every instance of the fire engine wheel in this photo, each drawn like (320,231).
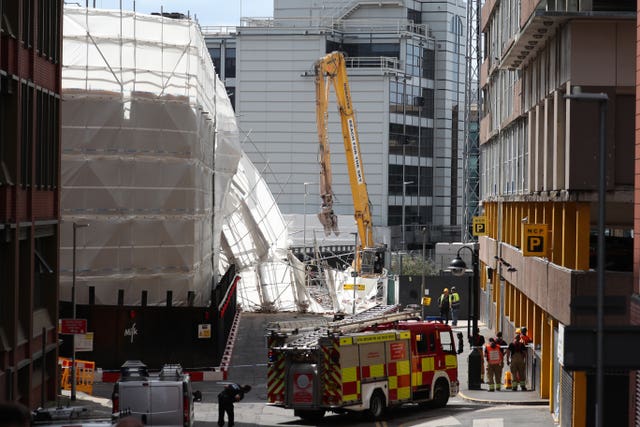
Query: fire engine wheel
(440,394)
(309,415)
(377,405)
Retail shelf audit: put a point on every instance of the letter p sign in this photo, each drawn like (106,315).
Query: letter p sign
(535,240)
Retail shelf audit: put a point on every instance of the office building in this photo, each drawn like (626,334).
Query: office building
(406,64)
(539,168)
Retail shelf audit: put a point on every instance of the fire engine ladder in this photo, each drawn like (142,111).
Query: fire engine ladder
(374,316)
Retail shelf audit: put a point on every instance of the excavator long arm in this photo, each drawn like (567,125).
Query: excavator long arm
(332,68)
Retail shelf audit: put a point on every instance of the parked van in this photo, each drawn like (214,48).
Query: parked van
(161,400)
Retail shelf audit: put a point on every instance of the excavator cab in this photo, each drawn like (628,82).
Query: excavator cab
(372,261)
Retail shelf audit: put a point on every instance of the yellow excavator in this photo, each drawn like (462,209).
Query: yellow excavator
(332,69)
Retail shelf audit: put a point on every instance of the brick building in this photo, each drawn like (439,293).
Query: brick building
(30,70)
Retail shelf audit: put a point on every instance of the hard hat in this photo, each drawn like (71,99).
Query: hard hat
(453,288)
(445,290)
(518,331)
(524,329)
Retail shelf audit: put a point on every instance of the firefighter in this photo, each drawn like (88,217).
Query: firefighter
(445,305)
(228,396)
(495,362)
(516,357)
(454,301)
(524,337)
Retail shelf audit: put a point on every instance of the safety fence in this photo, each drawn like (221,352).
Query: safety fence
(85,374)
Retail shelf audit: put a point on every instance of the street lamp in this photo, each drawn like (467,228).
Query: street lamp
(404,194)
(601,99)
(354,273)
(304,226)
(458,268)
(422,282)
(73,305)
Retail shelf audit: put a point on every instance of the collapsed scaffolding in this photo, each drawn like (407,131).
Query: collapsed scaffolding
(151,160)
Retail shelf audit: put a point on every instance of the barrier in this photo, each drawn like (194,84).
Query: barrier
(85,370)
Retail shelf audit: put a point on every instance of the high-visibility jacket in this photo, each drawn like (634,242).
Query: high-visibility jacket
(494,355)
(454,299)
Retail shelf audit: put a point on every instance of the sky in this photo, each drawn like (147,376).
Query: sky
(208,12)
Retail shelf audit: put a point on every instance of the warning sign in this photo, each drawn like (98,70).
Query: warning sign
(535,240)
(349,287)
(204,330)
(479,225)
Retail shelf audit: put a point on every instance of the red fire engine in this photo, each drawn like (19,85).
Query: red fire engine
(378,359)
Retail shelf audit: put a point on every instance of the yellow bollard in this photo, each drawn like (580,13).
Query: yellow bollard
(507,379)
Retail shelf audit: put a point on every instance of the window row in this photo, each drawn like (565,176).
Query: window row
(410,140)
(412,215)
(503,162)
(409,99)
(229,61)
(420,179)
(32,136)
(40,27)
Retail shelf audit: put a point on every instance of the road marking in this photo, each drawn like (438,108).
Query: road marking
(488,422)
(440,422)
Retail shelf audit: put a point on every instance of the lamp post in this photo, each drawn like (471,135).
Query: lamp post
(73,307)
(458,268)
(304,225)
(601,99)
(354,273)
(422,282)
(404,194)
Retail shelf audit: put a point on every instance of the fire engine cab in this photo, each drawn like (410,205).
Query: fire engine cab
(363,364)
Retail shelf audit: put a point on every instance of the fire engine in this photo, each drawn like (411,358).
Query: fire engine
(380,358)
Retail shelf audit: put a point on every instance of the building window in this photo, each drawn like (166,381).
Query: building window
(27,21)
(9,23)
(428,63)
(215,57)
(26,145)
(372,49)
(8,136)
(46,140)
(229,63)
(47,43)
(412,215)
(231,93)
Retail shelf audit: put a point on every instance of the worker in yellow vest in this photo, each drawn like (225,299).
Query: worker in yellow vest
(454,301)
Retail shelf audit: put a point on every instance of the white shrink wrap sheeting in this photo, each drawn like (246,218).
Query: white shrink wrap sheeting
(145,122)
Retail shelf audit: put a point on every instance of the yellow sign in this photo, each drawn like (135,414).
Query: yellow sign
(426,300)
(349,287)
(535,240)
(363,339)
(479,225)
(204,330)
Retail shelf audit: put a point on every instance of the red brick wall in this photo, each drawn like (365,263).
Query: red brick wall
(634,309)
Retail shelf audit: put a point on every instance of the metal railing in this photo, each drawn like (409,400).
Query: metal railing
(384,62)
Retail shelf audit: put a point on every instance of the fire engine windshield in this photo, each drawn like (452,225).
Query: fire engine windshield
(446,340)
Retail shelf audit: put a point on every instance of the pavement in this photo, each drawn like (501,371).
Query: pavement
(484,396)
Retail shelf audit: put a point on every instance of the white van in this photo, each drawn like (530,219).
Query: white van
(162,400)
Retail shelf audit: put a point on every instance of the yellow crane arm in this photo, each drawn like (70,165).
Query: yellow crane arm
(332,68)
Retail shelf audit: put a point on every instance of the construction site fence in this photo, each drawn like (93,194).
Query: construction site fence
(85,374)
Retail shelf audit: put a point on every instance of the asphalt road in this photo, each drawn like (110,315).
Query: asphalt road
(248,366)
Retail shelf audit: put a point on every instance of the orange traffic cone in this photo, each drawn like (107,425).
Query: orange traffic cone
(507,379)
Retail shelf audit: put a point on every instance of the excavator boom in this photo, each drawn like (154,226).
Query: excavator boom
(331,68)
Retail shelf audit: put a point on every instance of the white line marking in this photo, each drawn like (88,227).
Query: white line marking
(488,422)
